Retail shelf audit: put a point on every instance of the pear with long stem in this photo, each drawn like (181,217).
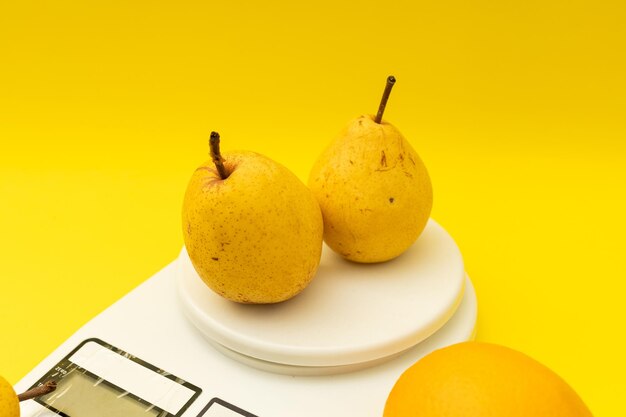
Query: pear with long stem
(374,190)
(9,400)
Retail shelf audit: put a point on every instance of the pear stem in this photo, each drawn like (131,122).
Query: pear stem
(391,80)
(214,144)
(44,389)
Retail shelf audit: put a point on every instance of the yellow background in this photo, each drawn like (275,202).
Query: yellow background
(517,108)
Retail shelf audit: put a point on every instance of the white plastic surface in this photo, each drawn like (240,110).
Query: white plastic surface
(350,314)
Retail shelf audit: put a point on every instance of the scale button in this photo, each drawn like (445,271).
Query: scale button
(220,408)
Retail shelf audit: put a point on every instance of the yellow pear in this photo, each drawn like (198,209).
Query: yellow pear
(252,229)
(9,404)
(374,190)
(10,401)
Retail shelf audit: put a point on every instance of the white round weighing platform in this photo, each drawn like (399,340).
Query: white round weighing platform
(351,316)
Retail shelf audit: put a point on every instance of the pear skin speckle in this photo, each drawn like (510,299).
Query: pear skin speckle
(256,236)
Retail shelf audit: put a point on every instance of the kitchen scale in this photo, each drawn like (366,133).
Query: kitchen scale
(172,347)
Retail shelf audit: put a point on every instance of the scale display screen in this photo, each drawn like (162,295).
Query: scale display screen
(108,398)
(99,380)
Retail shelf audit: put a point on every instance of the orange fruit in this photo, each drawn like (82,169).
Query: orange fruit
(475,379)
(9,404)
